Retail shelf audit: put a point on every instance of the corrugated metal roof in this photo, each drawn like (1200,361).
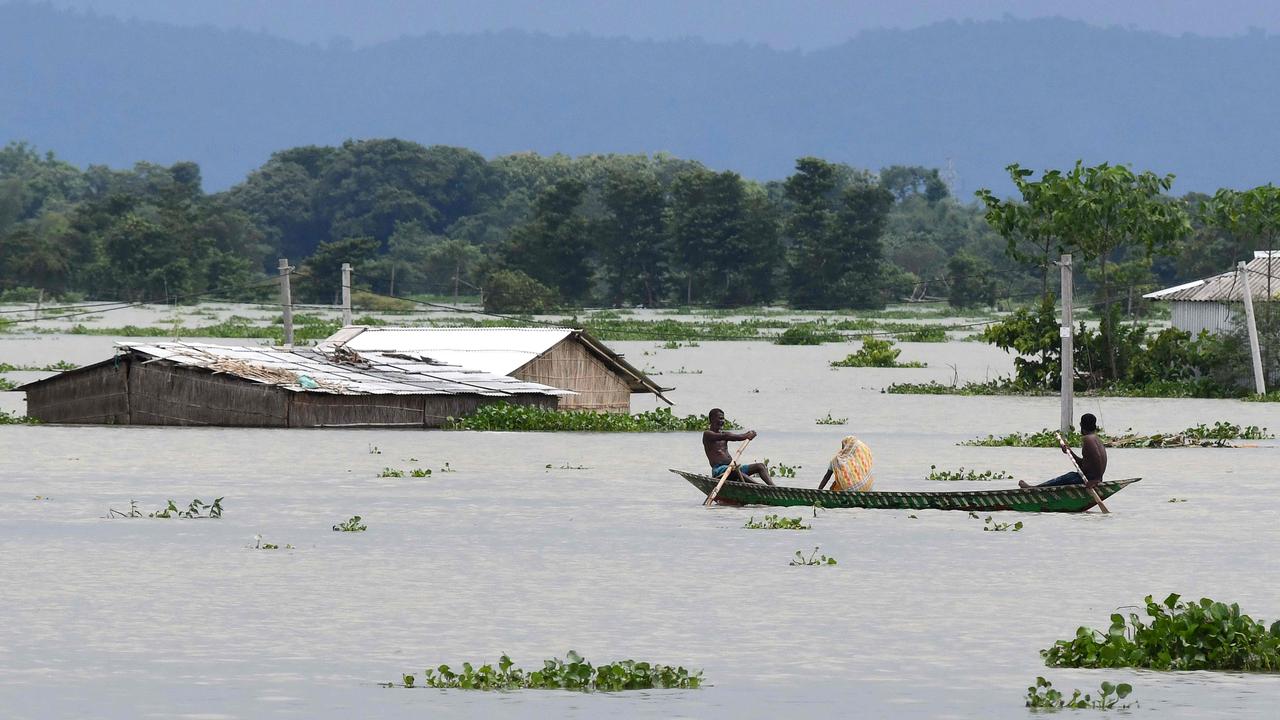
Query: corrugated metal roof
(1228,286)
(495,350)
(342,372)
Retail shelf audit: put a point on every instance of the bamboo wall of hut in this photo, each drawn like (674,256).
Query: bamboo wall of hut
(130,391)
(570,366)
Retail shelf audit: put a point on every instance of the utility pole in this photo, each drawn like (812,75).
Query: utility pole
(286,301)
(1259,383)
(346,294)
(1068,364)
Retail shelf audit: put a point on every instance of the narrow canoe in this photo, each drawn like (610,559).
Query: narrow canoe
(1063,498)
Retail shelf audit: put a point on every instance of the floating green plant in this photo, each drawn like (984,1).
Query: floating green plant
(814,558)
(259,545)
(782,470)
(420,472)
(196,510)
(505,416)
(1043,696)
(1204,635)
(1219,435)
(966,475)
(571,673)
(775,522)
(876,353)
(391,472)
(352,525)
(990,524)
(828,420)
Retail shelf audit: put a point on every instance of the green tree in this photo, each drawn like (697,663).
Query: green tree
(514,291)
(320,277)
(835,242)
(553,247)
(1098,213)
(633,241)
(971,282)
(724,238)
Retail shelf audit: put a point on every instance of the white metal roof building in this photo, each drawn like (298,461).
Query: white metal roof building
(1212,303)
(560,357)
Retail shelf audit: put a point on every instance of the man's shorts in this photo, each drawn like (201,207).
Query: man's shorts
(718,470)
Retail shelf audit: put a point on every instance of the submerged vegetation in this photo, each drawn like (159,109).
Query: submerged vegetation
(992,525)
(1043,696)
(351,525)
(1219,435)
(505,416)
(1204,635)
(195,510)
(876,353)
(776,522)
(571,673)
(813,558)
(966,475)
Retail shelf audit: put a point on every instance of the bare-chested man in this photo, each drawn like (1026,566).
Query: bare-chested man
(716,444)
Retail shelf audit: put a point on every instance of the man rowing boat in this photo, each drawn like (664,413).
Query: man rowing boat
(1092,458)
(716,444)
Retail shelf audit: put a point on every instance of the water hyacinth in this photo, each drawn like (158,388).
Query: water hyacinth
(505,416)
(571,673)
(1204,635)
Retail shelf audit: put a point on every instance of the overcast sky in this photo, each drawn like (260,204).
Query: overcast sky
(784,24)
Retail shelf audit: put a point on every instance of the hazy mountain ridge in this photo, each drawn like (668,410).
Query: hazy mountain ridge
(96,89)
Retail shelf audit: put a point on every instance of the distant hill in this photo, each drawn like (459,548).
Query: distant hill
(982,95)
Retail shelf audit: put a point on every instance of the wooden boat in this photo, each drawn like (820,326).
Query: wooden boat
(1063,498)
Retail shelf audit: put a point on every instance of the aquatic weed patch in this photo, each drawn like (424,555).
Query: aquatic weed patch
(992,525)
(933,387)
(1043,696)
(1203,635)
(876,353)
(1219,435)
(776,522)
(781,469)
(7,418)
(813,558)
(196,510)
(963,475)
(571,673)
(352,525)
(829,420)
(505,416)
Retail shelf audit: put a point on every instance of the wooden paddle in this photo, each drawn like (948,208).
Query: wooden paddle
(727,471)
(1097,500)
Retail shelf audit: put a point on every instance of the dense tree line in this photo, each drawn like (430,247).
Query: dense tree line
(533,231)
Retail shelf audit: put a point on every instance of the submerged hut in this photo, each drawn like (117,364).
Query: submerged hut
(599,378)
(178,383)
(1215,303)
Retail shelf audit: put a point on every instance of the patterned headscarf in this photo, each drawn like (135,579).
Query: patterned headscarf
(851,467)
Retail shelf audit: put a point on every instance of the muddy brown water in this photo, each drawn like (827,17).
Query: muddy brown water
(923,617)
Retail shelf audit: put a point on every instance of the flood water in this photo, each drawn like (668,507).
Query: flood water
(607,553)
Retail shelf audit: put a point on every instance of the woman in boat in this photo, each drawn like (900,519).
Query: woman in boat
(850,468)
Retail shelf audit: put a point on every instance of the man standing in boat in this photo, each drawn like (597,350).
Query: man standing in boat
(715,441)
(1092,458)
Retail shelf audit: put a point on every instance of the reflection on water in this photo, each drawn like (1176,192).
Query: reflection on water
(924,617)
